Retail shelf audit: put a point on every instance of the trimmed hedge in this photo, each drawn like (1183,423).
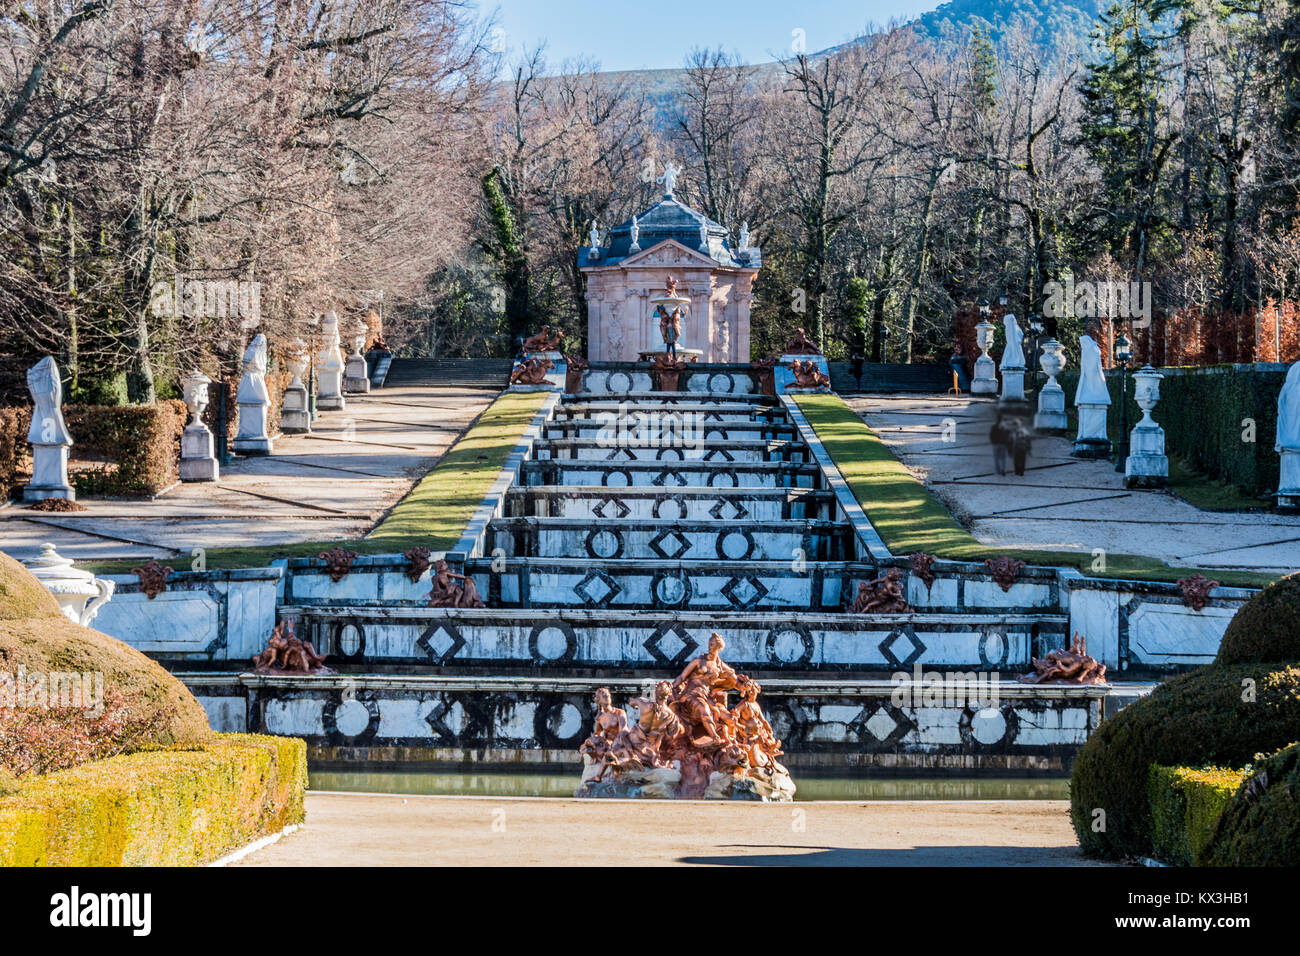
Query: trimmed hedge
(141,441)
(1185,807)
(1261,826)
(1267,627)
(165,808)
(1205,718)
(1201,411)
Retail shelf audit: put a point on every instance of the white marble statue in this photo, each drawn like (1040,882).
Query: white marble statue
(744,235)
(329,366)
(254,401)
(1092,379)
(636,234)
(1013,356)
(594,235)
(704,236)
(1013,362)
(48,435)
(669,179)
(1288,440)
(1092,398)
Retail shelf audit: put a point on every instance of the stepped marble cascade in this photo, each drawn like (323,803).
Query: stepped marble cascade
(637,523)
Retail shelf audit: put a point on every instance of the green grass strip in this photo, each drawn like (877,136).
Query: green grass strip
(909,519)
(433,514)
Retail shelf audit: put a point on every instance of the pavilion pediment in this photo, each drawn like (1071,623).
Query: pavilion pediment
(669,252)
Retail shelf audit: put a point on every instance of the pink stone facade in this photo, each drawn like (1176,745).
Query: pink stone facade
(620,324)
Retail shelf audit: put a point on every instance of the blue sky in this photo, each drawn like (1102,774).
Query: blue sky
(652,34)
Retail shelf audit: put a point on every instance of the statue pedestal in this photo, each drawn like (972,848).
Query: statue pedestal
(49,473)
(356,378)
(1013,384)
(1051,416)
(1147,465)
(251,438)
(198,462)
(783,377)
(1288,485)
(294,417)
(1091,441)
(985,381)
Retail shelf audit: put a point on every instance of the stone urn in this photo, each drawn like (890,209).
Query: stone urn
(1146,392)
(985,381)
(80,594)
(1050,416)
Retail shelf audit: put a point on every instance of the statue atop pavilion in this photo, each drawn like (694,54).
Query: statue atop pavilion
(685,741)
(627,277)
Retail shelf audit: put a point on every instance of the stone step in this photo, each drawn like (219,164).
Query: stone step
(719,411)
(673,475)
(724,504)
(473,373)
(690,447)
(670,540)
(660,427)
(659,642)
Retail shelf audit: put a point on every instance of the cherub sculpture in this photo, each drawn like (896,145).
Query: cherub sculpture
(808,375)
(609,724)
(287,653)
(801,344)
(447,593)
(544,341)
(753,732)
(883,595)
(1072,665)
(531,371)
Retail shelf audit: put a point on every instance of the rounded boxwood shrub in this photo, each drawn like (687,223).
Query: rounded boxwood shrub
(1261,826)
(21,595)
(37,639)
(1267,628)
(1198,719)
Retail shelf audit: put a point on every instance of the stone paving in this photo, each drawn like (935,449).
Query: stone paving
(1061,501)
(349,829)
(336,482)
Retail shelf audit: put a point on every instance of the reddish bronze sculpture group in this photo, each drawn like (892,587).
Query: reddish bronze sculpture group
(531,371)
(288,654)
(1073,665)
(801,344)
(685,741)
(808,375)
(544,341)
(447,593)
(882,595)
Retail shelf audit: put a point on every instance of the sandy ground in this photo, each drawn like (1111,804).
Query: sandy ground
(1062,501)
(333,483)
(346,829)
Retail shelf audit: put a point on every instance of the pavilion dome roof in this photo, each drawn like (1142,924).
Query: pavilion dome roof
(670,219)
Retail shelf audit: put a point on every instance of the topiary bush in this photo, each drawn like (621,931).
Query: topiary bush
(147,706)
(1261,826)
(1221,715)
(1267,628)
(21,595)
(1185,806)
